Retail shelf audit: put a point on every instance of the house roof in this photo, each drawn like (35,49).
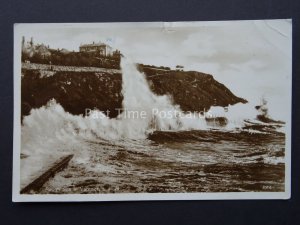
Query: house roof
(95,45)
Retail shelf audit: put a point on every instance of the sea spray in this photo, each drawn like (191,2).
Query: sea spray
(50,132)
(236,115)
(51,123)
(138,96)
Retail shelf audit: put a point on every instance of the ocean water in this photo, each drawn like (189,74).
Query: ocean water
(156,153)
(173,162)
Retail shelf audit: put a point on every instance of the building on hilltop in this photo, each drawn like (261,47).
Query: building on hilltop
(42,50)
(32,48)
(117,54)
(100,48)
(28,43)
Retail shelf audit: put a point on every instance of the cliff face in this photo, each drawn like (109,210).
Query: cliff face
(193,91)
(78,90)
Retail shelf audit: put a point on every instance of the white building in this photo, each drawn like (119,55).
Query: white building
(101,48)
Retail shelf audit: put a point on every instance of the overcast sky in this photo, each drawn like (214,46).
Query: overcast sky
(252,58)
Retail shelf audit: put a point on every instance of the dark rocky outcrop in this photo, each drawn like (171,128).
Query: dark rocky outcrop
(193,91)
(76,91)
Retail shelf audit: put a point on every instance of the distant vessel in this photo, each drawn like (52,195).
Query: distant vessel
(263,115)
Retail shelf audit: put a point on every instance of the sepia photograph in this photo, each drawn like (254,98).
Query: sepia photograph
(152,111)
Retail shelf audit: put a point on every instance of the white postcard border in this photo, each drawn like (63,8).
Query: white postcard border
(17,197)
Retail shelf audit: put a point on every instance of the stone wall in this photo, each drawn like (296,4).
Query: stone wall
(46,67)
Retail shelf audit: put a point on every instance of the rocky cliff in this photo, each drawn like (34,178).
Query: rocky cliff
(78,90)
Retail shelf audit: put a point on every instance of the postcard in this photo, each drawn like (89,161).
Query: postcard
(152,111)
